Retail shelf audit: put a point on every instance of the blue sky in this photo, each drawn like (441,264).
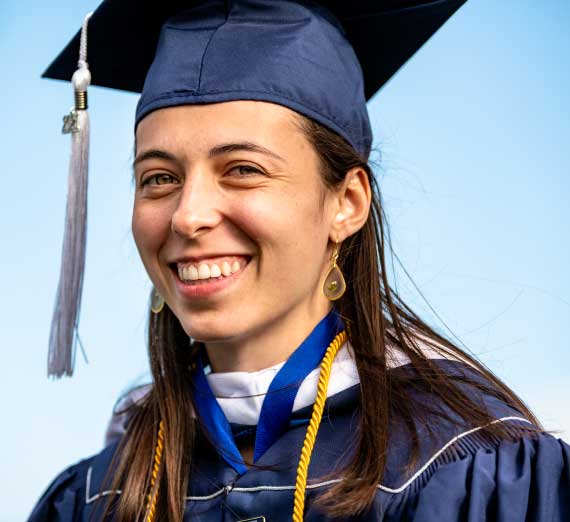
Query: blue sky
(474,135)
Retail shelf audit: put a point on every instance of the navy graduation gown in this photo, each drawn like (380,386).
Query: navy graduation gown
(461,475)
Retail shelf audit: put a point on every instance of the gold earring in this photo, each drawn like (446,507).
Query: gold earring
(334,285)
(156,302)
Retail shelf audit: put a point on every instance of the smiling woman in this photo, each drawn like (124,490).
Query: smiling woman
(290,381)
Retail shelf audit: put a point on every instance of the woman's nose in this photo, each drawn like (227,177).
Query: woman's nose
(197,210)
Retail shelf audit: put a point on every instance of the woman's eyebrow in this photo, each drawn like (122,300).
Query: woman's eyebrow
(153,154)
(243,145)
(218,150)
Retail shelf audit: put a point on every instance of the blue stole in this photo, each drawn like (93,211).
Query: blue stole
(278,403)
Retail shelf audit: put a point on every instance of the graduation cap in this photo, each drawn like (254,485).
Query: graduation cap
(323,59)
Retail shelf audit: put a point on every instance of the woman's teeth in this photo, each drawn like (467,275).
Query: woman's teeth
(208,271)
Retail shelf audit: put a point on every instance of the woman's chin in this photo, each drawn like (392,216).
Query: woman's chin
(218,329)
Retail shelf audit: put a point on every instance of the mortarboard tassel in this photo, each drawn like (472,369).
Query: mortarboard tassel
(63,334)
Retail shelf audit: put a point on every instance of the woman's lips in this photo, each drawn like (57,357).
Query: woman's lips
(201,280)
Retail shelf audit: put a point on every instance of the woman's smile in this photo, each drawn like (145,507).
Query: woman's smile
(202,277)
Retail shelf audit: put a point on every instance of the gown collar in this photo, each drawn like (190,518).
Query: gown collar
(241,394)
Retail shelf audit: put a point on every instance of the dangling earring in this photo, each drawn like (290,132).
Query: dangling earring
(156,302)
(334,285)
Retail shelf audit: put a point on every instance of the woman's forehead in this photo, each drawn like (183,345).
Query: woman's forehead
(206,126)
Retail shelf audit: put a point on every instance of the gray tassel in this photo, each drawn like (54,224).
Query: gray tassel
(63,334)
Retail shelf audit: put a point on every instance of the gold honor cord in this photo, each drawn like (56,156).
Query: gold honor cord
(306,451)
(153,495)
(313,428)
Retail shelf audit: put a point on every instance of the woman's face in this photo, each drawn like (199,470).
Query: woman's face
(231,218)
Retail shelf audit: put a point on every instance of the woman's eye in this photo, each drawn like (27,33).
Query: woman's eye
(160,179)
(245,170)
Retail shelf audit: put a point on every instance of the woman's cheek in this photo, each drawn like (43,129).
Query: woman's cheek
(149,231)
(257,216)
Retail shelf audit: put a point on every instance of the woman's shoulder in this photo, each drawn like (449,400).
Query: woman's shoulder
(473,478)
(463,471)
(66,498)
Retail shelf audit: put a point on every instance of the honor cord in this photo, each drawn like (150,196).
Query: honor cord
(313,428)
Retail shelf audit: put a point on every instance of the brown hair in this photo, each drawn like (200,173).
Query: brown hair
(376,320)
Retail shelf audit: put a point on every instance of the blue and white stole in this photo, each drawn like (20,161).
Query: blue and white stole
(278,403)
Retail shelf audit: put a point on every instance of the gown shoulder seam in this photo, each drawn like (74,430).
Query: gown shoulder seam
(443,449)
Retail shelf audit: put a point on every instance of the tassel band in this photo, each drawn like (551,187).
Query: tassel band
(81,100)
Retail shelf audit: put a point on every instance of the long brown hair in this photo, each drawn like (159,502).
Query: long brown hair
(377,321)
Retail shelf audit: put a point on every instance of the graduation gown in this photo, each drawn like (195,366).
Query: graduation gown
(461,474)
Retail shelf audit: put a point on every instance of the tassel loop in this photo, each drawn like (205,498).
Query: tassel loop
(80,81)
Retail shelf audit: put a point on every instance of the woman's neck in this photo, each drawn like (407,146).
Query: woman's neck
(268,345)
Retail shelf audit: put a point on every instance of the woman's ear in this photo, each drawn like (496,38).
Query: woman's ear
(353,204)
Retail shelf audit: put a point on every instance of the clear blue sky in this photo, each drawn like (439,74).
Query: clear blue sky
(474,134)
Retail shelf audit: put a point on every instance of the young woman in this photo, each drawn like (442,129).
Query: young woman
(289,379)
